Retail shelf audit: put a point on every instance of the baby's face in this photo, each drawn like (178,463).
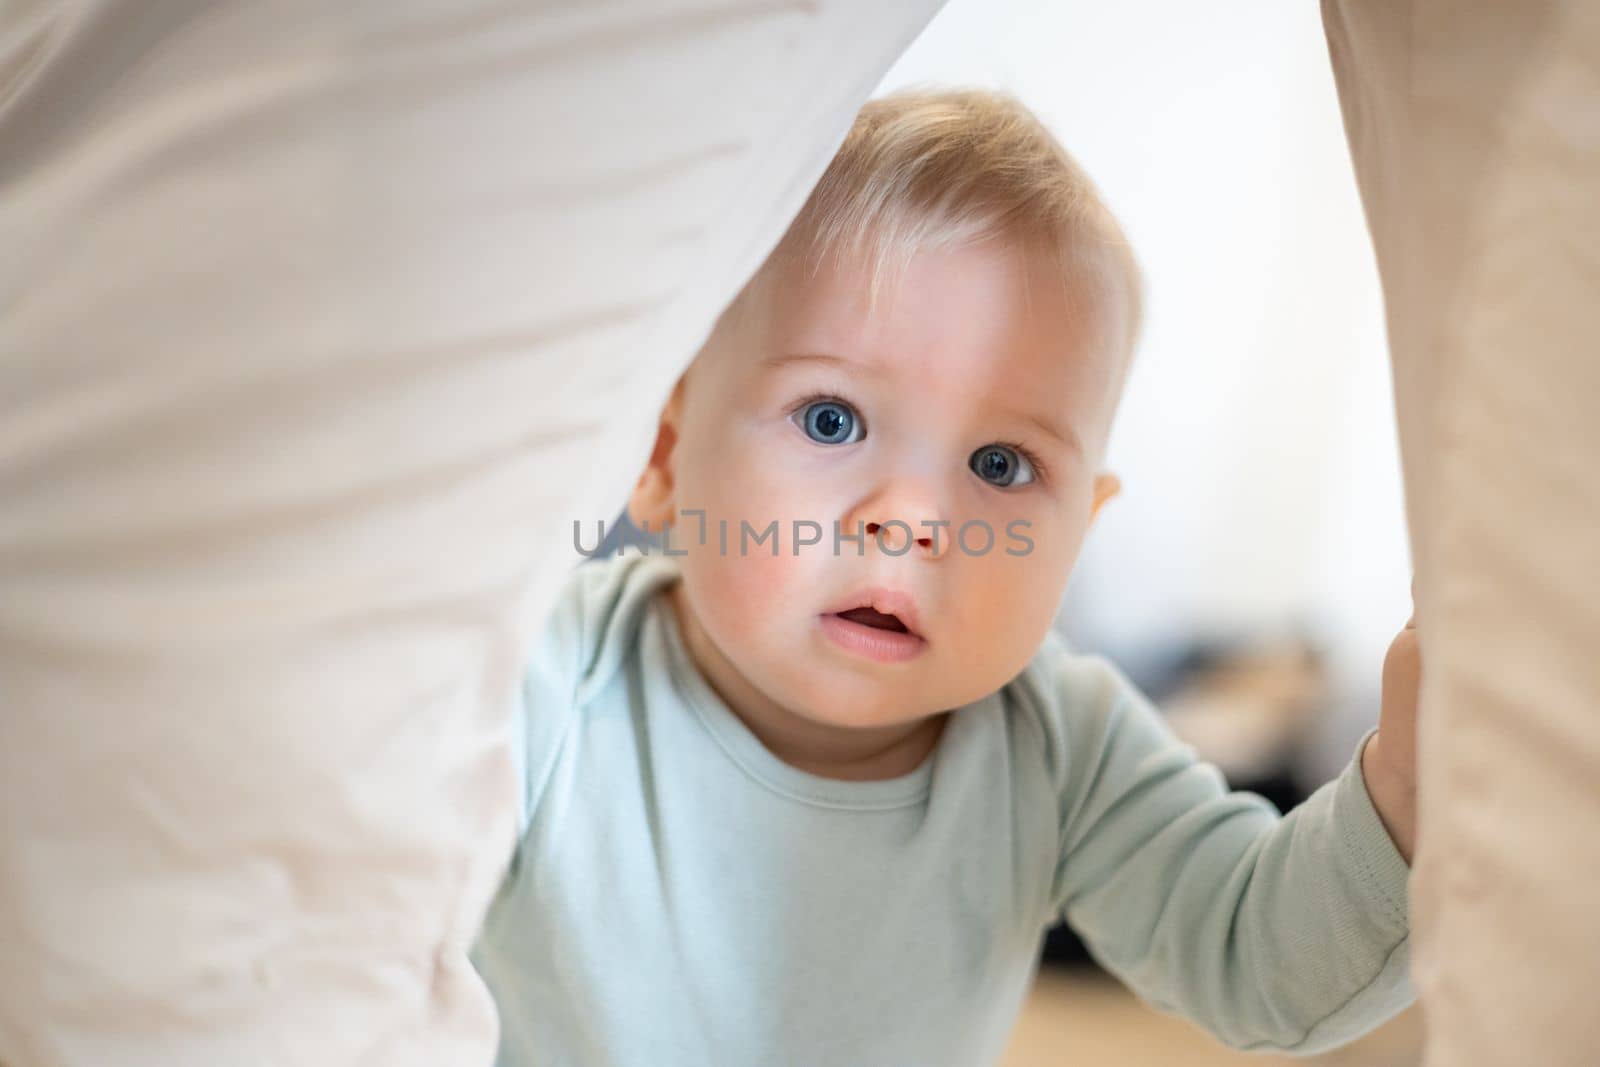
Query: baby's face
(966,398)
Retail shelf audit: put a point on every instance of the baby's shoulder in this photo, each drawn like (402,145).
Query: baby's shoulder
(594,624)
(579,647)
(1070,702)
(1064,685)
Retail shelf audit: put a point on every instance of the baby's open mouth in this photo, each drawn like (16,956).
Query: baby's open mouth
(878,624)
(875,619)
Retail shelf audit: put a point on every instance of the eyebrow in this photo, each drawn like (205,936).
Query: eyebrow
(1063,434)
(785,358)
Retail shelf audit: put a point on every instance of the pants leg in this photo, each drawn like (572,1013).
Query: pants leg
(320,324)
(1475,128)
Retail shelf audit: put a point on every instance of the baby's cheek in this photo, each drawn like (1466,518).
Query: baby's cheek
(1011,602)
(746,593)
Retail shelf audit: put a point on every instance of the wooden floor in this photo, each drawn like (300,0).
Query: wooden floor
(1082,1017)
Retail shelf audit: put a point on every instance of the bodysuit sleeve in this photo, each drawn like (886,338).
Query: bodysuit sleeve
(1271,932)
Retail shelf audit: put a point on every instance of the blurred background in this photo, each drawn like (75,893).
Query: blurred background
(1254,569)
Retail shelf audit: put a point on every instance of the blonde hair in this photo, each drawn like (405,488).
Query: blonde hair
(940,168)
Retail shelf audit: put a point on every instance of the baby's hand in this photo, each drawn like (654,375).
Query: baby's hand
(1389,762)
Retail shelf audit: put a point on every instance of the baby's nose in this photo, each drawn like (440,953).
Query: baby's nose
(897,536)
(903,515)
(899,530)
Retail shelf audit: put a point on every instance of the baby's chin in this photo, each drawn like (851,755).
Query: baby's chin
(845,714)
(832,697)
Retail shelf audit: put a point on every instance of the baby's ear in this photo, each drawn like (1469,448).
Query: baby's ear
(653,494)
(1106,486)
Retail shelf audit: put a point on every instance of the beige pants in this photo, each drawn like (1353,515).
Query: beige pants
(318,324)
(1475,126)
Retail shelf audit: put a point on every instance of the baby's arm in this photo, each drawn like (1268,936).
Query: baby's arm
(1272,933)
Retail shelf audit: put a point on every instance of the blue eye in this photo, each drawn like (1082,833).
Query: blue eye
(1001,466)
(829,422)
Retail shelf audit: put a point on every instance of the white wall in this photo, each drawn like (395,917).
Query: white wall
(1256,442)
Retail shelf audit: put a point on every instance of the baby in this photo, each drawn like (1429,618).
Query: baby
(807,787)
